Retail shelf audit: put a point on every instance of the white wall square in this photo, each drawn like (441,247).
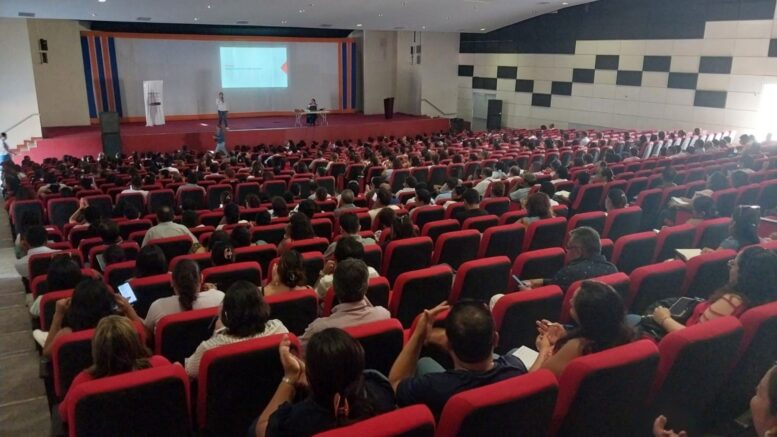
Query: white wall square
(623,121)
(626,107)
(584,47)
(563,61)
(770,67)
(720,29)
(655,79)
(709,115)
(489,59)
(525,60)
(630,62)
(754,28)
(522,99)
(608,47)
(505,85)
(677,112)
(658,46)
(507,59)
(527,73)
(748,65)
(560,74)
(743,101)
(544,60)
(632,47)
(745,83)
(562,102)
(679,97)
(741,118)
(653,94)
(718,47)
(542,86)
(604,91)
(655,110)
(467,58)
(465,82)
(713,82)
(584,61)
(627,92)
(606,77)
(686,47)
(685,64)
(774,27)
(751,47)
(485,70)
(582,89)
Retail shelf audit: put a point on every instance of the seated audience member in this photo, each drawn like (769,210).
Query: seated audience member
(739,179)
(231,216)
(471,206)
(189,295)
(752,282)
(222,253)
(584,251)
(616,199)
(151,261)
(346,247)
(287,275)
(668,176)
(422,197)
(191,183)
(108,230)
(350,282)
(92,300)
(279,207)
(244,315)
(469,338)
(402,227)
(218,237)
(167,228)
(599,314)
(308,207)
(33,243)
(320,194)
(240,236)
(498,189)
(340,390)
(384,219)
(116,349)
(64,274)
(131,213)
(383,200)
(408,186)
(299,228)
(582,179)
(86,216)
(744,228)
(349,227)
(190,219)
(488,179)
(345,203)
(113,254)
(445,192)
(522,190)
(703,209)
(537,208)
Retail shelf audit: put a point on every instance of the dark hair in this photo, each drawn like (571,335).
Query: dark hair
(717,181)
(601,318)
(219,236)
(117,348)
(222,253)
(583,178)
(347,196)
(703,207)
(164,214)
(538,205)
(350,280)
(617,198)
(240,236)
(757,278)
(150,261)
(291,269)
(739,179)
(189,218)
(321,194)
(335,366)
(253,201)
(231,213)
(36,236)
(64,273)
(108,231)
(471,196)
(244,312)
(423,195)
(349,223)
(308,207)
(401,228)
(497,189)
(744,225)
(587,239)
(113,254)
(384,197)
(187,281)
(470,331)
(299,227)
(385,217)
(279,207)
(668,175)
(92,215)
(91,302)
(348,247)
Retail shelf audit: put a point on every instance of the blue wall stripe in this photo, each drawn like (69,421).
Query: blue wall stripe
(115,70)
(345,75)
(101,72)
(88,77)
(353,75)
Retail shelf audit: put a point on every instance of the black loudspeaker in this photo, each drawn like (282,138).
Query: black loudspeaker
(109,122)
(43,44)
(494,120)
(111,144)
(457,124)
(388,107)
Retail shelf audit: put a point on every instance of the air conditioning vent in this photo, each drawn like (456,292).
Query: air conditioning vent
(242,22)
(325,25)
(27,14)
(143,18)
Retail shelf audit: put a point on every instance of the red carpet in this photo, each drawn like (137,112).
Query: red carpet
(198,134)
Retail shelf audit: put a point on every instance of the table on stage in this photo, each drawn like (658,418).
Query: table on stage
(300,113)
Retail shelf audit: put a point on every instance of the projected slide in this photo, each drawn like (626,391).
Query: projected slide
(254,67)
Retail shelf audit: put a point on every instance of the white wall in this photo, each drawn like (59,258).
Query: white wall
(409,85)
(439,73)
(17,82)
(60,83)
(379,67)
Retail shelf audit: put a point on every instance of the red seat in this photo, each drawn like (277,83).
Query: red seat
(226,275)
(131,250)
(138,236)
(674,237)
(406,255)
(119,273)
(214,193)
(296,309)
(130,226)
(512,217)
(481,223)
(480,279)
(516,314)
(545,233)
(503,240)
(704,354)
(236,381)
(373,256)
(725,201)
(707,273)
(242,190)
(137,200)
(262,253)
(457,247)
(619,281)
(520,405)
(623,221)
(87,244)
(149,289)
(159,198)
(194,196)
(382,342)
(710,233)
(275,187)
(536,264)
(177,336)
(594,219)
(417,290)
(173,246)
(635,186)
(38,264)
(426,214)
(152,401)
(496,205)
(634,250)
(415,420)
(327,182)
(60,210)
(202,259)
(436,228)
(378,292)
(30,208)
(47,306)
(211,219)
(322,227)
(748,194)
(588,197)
(650,202)
(652,283)
(768,197)
(316,244)
(452,210)
(603,393)
(272,233)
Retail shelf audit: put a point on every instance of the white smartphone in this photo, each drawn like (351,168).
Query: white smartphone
(126,291)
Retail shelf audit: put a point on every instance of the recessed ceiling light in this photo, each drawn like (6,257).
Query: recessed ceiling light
(380,14)
(564,3)
(102,1)
(93,14)
(208,6)
(423,27)
(196,19)
(301,11)
(359,25)
(284,21)
(482,29)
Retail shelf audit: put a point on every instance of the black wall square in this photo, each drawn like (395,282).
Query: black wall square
(484,83)
(710,99)
(685,81)
(773,48)
(524,86)
(607,62)
(629,78)
(506,72)
(656,63)
(715,64)
(540,100)
(561,88)
(466,70)
(583,75)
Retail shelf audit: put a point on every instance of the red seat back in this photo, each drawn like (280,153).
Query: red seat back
(545,233)
(405,255)
(652,283)
(516,314)
(457,247)
(415,420)
(480,279)
(537,264)
(417,290)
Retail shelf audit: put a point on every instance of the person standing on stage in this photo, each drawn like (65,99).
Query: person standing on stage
(312,106)
(5,149)
(221,140)
(222,109)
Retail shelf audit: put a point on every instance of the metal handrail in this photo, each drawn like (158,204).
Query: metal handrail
(444,114)
(21,121)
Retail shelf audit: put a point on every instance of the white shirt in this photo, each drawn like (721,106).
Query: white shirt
(167,230)
(22,263)
(5,148)
(132,190)
(171,305)
(221,105)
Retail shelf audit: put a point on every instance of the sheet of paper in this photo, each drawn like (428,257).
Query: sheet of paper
(527,355)
(687,254)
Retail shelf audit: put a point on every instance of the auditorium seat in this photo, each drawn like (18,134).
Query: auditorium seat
(503,240)
(453,209)
(748,194)
(650,203)
(422,215)
(119,273)
(768,197)
(674,237)
(272,233)
(130,226)
(545,233)
(511,217)
(481,223)
(316,244)
(38,264)
(479,279)
(413,421)
(149,289)
(322,227)
(211,219)
(262,253)
(177,336)
(725,201)
(327,182)
(438,227)
(634,250)
(382,342)
(275,187)
(703,353)
(593,219)
(406,255)
(131,250)
(635,186)
(373,256)
(242,190)
(420,289)
(296,309)
(618,281)
(378,293)
(710,233)
(495,205)
(654,282)
(587,199)
(707,273)
(516,314)
(235,383)
(47,306)
(152,401)
(537,264)
(60,210)
(623,221)
(137,200)
(603,393)
(86,244)
(522,405)
(202,259)
(138,236)
(226,275)
(457,247)
(159,198)
(173,246)
(214,193)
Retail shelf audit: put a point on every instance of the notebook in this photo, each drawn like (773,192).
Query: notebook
(687,254)
(527,355)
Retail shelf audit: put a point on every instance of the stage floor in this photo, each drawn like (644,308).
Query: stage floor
(198,134)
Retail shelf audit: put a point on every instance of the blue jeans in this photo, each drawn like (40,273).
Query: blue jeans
(223,118)
(221,148)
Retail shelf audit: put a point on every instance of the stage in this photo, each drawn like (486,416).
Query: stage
(198,134)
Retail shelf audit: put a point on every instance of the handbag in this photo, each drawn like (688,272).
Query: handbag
(681,309)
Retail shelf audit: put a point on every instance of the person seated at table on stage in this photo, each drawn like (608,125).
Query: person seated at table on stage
(312,106)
